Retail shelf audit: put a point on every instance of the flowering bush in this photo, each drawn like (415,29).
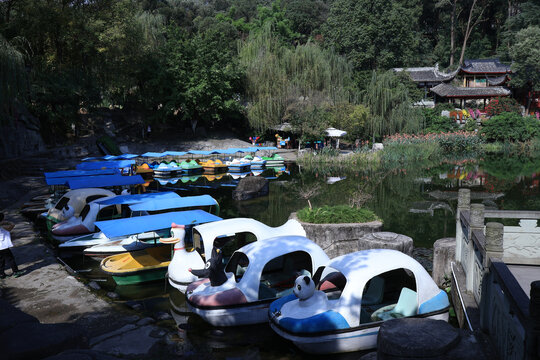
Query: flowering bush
(448,141)
(502,104)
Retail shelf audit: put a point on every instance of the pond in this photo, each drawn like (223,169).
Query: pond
(418,201)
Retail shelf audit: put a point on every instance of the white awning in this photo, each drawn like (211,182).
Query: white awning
(332,132)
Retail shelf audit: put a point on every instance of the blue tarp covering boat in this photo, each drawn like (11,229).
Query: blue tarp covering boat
(173,203)
(114,164)
(153,154)
(77,173)
(136,198)
(103,181)
(174,153)
(140,224)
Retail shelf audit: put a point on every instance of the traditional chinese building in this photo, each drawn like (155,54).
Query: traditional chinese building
(428,77)
(475,80)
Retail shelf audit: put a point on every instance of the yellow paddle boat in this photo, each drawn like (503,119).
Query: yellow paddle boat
(213,166)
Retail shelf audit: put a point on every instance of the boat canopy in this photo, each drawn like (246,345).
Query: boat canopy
(54,179)
(174,153)
(113,164)
(103,181)
(136,198)
(74,173)
(140,224)
(181,153)
(359,267)
(173,203)
(230,227)
(153,154)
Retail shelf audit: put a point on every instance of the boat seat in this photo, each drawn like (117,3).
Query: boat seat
(407,305)
(375,291)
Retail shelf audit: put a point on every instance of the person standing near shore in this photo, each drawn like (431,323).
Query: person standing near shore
(6,256)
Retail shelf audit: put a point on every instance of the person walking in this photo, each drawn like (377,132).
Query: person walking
(6,256)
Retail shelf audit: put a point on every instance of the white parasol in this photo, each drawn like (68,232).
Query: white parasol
(335,133)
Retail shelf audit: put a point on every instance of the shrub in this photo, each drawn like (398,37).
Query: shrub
(448,141)
(502,104)
(435,123)
(510,126)
(337,214)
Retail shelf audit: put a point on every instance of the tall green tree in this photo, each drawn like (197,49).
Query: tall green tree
(375,34)
(206,79)
(13,79)
(281,79)
(526,60)
(390,106)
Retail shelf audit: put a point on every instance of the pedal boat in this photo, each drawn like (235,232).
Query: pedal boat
(76,200)
(274,161)
(355,294)
(239,166)
(256,275)
(257,163)
(143,169)
(191,167)
(213,166)
(239,231)
(138,232)
(167,170)
(151,264)
(113,207)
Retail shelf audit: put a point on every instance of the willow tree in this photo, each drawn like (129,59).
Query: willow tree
(282,80)
(12,78)
(390,107)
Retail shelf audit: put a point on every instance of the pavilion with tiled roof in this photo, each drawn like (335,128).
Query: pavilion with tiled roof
(479,79)
(427,77)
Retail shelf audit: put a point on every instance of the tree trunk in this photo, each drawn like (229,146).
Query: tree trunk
(469,29)
(453,32)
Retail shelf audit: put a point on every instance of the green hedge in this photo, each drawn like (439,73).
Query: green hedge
(338,214)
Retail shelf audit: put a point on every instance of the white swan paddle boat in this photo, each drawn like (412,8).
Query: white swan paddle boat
(256,275)
(356,293)
(239,231)
(76,200)
(107,209)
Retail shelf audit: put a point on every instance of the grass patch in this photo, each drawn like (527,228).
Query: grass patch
(338,214)
(328,164)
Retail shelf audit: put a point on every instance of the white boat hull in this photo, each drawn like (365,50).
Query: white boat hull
(245,315)
(348,341)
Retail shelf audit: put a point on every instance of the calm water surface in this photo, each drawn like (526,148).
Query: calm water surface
(418,201)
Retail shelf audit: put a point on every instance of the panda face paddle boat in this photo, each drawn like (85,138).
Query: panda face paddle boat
(356,293)
(256,275)
(233,233)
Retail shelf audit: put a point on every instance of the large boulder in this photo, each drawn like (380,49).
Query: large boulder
(251,187)
(427,339)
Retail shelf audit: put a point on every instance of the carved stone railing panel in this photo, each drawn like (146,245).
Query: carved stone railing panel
(521,244)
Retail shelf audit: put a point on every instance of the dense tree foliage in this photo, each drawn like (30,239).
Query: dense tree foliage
(510,126)
(375,34)
(257,63)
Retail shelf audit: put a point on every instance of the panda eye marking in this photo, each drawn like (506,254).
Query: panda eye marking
(298,287)
(207,264)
